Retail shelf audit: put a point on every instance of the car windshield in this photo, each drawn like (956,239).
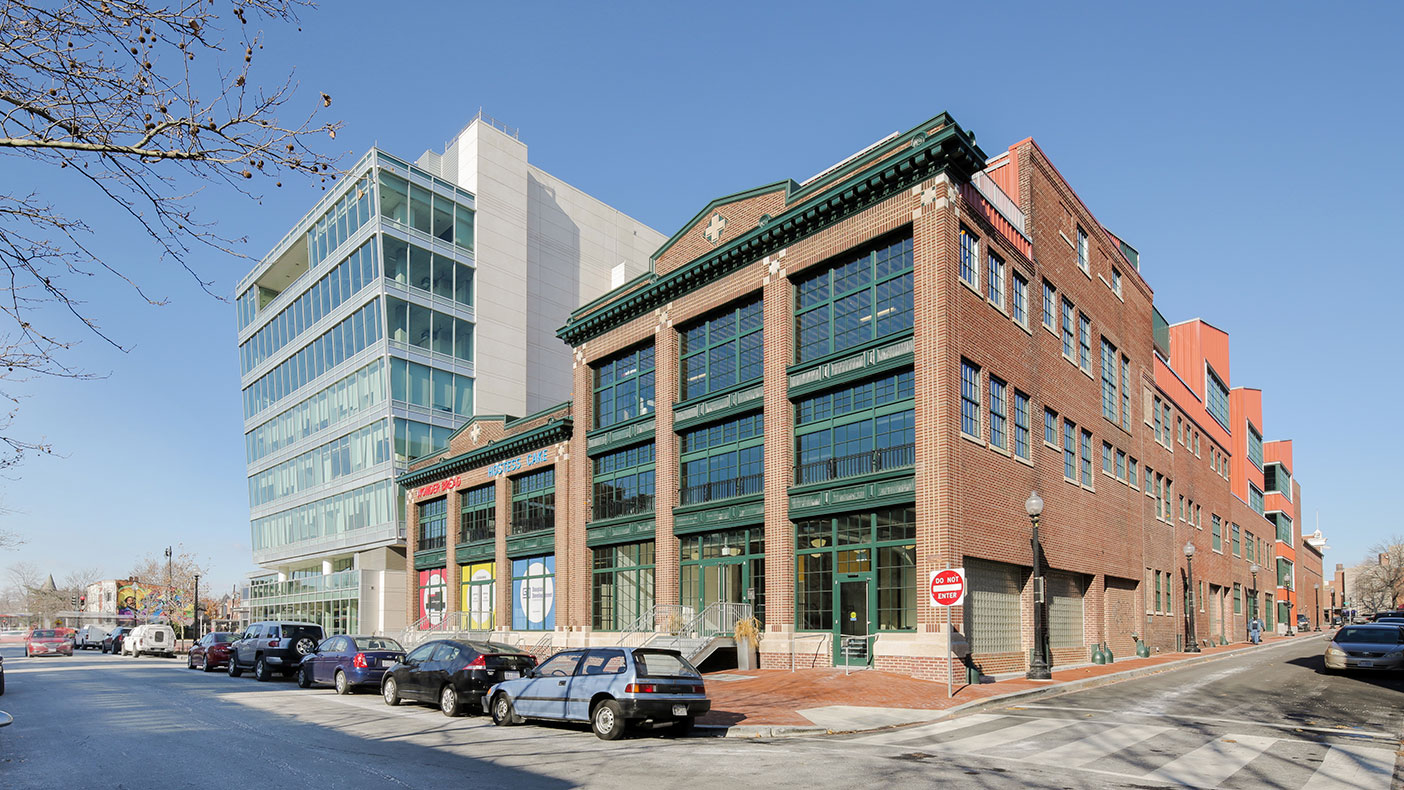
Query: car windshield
(44,634)
(220,639)
(495,648)
(655,664)
(376,643)
(1370,636)
(293,633)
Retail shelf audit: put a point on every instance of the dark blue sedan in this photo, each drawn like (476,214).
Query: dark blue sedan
(349,661)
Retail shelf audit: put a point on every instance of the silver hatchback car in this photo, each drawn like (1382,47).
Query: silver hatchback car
(1372,646)
(610,687)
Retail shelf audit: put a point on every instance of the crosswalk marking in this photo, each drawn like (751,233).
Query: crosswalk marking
(915,733)
(1353,768)
(992,740)
(1213,762)
(1098,745)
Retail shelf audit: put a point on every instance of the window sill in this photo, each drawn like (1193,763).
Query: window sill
(1025,461)
(974,287)
(970,438)
(1000,450)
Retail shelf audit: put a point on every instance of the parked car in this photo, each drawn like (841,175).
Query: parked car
(273,646)
(90,637)
(1375,618)
(112,643)
(350,661)
(1391,621)
(1336,621)
(211,652)
(453,673)
(47,642)
(1304,623)
(150,639)
(1372,646)
(612,688)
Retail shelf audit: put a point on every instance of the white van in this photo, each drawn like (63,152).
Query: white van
(90,636)
(150,638)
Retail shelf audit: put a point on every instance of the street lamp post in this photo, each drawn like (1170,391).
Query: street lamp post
(195,608)
(1287,585)
(1191,643)
(1038,665)
(1253,569)
(1316,604)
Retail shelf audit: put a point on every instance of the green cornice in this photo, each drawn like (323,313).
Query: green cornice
(425,560)
(550,433)
(508,421)
(788,185)
(848,190)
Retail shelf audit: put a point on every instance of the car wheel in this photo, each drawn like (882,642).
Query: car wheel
(234,670)
(304,678)
(343,686)
(261,671)
(448,701)
(684,725)
(608,720)
(390,690)
(205,664)
(190,662)
(503,713)
(2,684)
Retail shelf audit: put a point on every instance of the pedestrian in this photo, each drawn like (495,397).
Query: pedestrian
(1255,630)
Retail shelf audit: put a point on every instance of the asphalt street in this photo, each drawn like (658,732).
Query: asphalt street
(1267,719)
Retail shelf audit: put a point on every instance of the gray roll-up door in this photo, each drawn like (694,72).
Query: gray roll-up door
(992,617)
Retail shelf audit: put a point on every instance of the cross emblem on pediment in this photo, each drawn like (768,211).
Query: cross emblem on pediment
(714,228)
(475,433)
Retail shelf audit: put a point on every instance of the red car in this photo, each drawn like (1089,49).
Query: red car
(211,652)
(47,642)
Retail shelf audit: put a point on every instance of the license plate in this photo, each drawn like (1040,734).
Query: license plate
(679,710)
(511,674)
(1366,664)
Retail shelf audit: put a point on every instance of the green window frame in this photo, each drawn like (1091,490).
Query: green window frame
(624,482)
(1236,531)
(1255,445)
(857,299)
(1284,572)
(882,540)
(859,429)
(1249,546)
(722,351)
(534,501)
(477,513)
(621,584)
(1237,598)
(1109,378)
(722,460)
(1277,479)
(1284,526)
(1216,397)
(433,523)
(745,545)
(1217,532)
(624,386)
(1255,498)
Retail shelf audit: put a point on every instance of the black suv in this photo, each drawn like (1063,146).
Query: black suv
(273,646)
(112,643)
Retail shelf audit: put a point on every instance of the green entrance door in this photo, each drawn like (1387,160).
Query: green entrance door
(853,619)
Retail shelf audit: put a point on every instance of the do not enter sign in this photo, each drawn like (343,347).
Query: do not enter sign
(948,587)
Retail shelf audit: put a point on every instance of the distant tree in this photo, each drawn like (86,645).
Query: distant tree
(145,103)
(1379,581)
(10,539)
(170,580)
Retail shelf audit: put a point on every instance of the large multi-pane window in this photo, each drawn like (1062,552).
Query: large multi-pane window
(999,413)
(1216,397)
(1255,498)
(340,222)
(355,452)
(431,388)
(621,589)
(433,522)
(477,513)
(368,506)
(1216,532)
(417,326)
(1255,446)
(969,257)
(339,285)
(721,565)
(1082,257)
(534,501)
(336,345)
(1087,458)
(1069,339)
(341,400)
(1237,534)
(1277,479)
(994,283)
(1048,296)
(1109,375)
(1019,300)
(624,386)
(624,482)
(883,541)
(859,298)
(417,207)
(865,427)
(721,351)
(723,460)
(1069,449)
(1021,425)
(969,398)
(1125,393)
(1084,342)
(431,272)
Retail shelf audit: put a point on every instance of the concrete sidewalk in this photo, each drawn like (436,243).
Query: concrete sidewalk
(773,703)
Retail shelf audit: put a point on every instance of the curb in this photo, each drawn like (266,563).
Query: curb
(792,731)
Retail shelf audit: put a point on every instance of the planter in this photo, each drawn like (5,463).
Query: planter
(747,654)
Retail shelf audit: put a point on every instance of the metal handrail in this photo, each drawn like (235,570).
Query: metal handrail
(722,489)
(822,637)
(633,506)
(847,639)
(542,645)
(878,460)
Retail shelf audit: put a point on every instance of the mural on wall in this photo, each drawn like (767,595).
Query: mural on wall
(142,603)
(479,594)
(433,597)
(534,593)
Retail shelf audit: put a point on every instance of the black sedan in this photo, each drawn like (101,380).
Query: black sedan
(453,674)
(112,643)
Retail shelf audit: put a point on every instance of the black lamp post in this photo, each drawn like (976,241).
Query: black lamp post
(1287,585)
(1316,595)
(1038,665)
(1253,569)
(1192,643)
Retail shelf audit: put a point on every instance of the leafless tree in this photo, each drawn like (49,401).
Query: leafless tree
(155,572)
(1379,581)
(77,580)
(10,539)
(144,103)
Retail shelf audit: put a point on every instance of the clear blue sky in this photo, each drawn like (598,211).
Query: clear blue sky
(1249,156)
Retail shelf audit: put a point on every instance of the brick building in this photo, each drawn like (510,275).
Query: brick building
(823,392)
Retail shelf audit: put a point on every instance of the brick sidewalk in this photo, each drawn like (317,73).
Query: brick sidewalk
(774,697)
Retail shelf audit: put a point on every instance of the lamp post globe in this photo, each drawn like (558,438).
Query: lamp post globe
(1038,662)
(1191,638)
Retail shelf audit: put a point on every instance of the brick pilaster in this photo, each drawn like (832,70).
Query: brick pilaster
(667,469)
(453,595)
(576,597)
(412,545)
(779,318)
(502,597)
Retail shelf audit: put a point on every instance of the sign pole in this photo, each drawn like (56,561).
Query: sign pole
(947,590)
(949,669)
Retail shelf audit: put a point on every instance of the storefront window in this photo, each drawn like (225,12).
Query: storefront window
(433,597)
(479,594)
(534,593)
(848,545)
(724,566)
(622,584)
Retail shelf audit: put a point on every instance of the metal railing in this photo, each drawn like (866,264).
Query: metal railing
(427,543)
(722,489)
(614,508)
(823,639)
(856,464)
(530,525)
(856,647)
(476,532)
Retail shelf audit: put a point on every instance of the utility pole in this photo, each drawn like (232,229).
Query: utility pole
(195,607)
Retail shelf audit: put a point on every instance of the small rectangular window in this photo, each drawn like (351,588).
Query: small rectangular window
(1048,306)
(998,414)
(1084,342)
(1020,300)
(1069,450)
(1087,458)
(1050,427)
(1082,262)
(969,398)
(969,258)
(1131,473)
(1021,424)
(994,282)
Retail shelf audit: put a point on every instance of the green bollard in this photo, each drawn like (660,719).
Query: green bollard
(1097,656)
(1106,648)
(1141,650)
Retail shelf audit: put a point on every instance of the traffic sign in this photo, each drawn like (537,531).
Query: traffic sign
(948,587)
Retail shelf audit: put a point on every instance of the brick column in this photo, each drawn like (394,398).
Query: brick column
(1094,621)
(502,499)
(581,490)
(412,578)
(667,466)
(454,593)
(571,553)
(779,317)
